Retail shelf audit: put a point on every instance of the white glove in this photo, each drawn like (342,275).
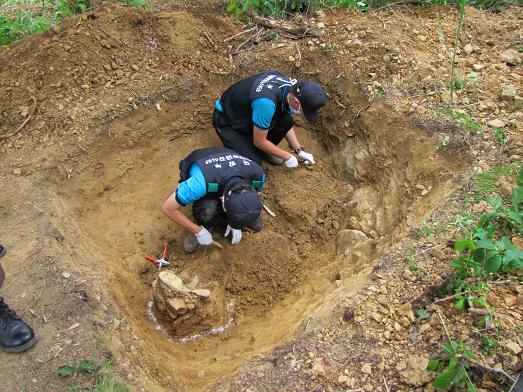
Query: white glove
(204,237)
(291,162)
(306,157)
(236,235)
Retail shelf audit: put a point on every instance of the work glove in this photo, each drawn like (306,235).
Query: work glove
(306,157)
(236,235)
(204,237)
(291,162)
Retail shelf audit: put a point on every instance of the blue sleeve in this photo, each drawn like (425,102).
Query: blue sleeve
(193,188)
(262,112)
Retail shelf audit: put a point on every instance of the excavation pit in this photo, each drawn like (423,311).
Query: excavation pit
(332,220)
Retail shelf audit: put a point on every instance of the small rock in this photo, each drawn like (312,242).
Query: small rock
(108,67)
(414,373)
(66,275)
(366,368)
(292,58)
(438,253)
(478,67)
(468,49)
(387,335)
(397,327)
(320,25)
(508,92)
(423,328)
(135,67)
(511,57)
(513,346)
(406,310)
(348,314)
(318,367)
(496,123)
(376,317)
(17,171)
(343,380)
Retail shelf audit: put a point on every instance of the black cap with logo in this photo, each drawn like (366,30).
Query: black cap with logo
(243,205)
(311,97)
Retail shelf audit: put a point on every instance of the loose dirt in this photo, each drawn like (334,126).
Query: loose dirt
(123,94)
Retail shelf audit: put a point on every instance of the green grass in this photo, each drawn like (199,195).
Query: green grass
(486,182)
(463,121)
(285,9)
(103,376)
(21,18)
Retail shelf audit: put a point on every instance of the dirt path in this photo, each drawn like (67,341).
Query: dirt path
(123,94)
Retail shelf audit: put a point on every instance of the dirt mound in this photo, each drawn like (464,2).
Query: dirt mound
(123,94)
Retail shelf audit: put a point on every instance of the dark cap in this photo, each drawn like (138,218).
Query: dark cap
(311,96)
(243,205)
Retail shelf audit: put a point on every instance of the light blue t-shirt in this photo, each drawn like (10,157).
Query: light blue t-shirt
(195,187)
(262,111)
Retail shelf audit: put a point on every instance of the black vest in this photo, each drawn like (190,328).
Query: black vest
(219,164)
(236,100)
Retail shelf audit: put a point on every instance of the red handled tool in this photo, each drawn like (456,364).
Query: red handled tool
(160,262)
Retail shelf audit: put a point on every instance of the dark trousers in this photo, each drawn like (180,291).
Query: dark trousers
(242,141)
(208,212)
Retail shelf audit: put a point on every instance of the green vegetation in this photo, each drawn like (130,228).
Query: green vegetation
(21,18)
(283,9)
(452,371)
(464,121)
(104,378)
(486,252)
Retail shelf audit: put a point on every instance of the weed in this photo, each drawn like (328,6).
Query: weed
(454,370)
(431,229)
(106,380)
(422,314)
(486,182)
(499,134)
(445,142)
(137,3)
(457,83)
(489,345)
(463,120)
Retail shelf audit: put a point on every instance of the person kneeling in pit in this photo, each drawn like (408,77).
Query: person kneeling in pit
(222,187)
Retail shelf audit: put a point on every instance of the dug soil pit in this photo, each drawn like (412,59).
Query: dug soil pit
(122,95)
(331,220)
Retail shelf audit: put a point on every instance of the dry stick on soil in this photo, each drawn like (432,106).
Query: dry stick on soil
(300,31)
(387,389)
(450,297)
(357,115)
(209,38)
(240,33)
(340,104)
(31,113)
(486,367)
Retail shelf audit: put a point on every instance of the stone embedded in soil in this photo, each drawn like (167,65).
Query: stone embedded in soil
(508,92)
(366,369)
(496,123)
(406,310)
(512,57)
(513,347)
(187,310)
(353,244)
(413,371)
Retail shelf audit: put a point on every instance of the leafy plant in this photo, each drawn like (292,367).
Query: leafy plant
(137,3)
(489,345)
(453,371)
(106,380)
(499,134)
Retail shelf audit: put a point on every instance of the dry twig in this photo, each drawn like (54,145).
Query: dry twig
(29,117)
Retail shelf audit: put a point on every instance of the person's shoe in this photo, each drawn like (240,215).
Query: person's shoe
(191,243)
(15,335)
(257,225)
(274,160)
